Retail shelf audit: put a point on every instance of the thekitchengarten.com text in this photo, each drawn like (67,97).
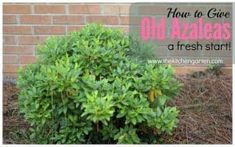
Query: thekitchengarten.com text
(185,61)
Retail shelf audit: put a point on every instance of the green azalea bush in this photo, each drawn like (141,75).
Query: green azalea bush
(87,88)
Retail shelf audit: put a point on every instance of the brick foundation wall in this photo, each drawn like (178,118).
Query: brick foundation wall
(27,24)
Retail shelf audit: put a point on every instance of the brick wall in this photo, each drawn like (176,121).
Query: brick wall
(27,24)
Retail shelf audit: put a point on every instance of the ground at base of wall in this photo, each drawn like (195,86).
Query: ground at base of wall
(205,104)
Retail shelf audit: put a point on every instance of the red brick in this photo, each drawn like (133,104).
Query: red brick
(31,40)
(9,40)
(11,49)
(35,19)
(73,28)
(7,59)
(27,50)
(84,9)
(16,9)
(9,19)
(10,68)
(108,20)
(124,20)
(111,9)
(27,59)
(124,9)
(17,30)
(49,30)
(49,9)
(68,20)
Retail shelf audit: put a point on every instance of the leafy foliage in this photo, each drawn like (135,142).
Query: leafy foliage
(215,69)
(85,88)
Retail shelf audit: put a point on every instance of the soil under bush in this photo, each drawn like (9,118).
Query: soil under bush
(205,104)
